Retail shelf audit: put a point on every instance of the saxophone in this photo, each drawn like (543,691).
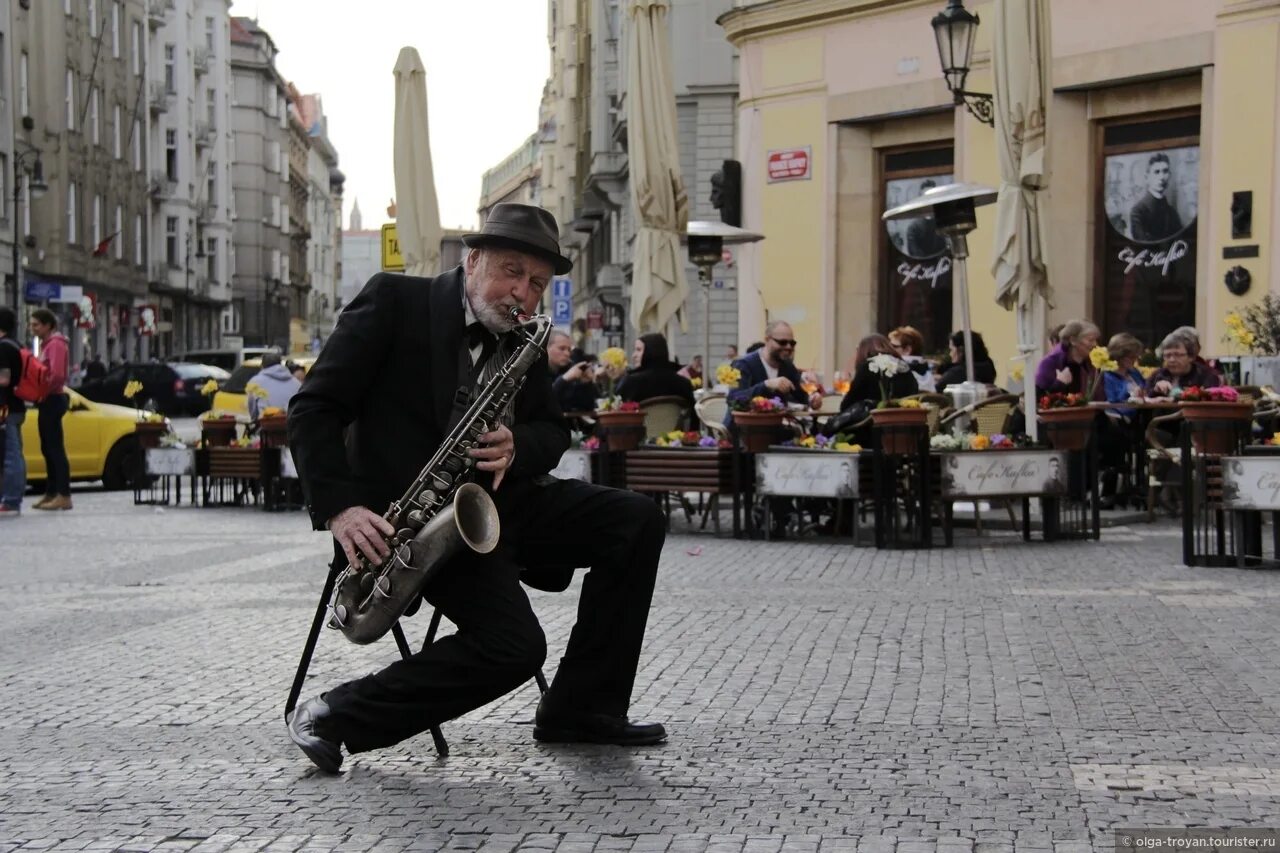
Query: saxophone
(441,512)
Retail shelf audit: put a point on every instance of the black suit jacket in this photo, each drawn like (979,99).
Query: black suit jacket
(376,404)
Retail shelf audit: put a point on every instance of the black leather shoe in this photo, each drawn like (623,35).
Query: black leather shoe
(324,753)
(561,727)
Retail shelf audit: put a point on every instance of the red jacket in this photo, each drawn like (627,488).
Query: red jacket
(56,354)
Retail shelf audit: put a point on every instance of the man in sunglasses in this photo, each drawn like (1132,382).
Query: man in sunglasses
(771,371)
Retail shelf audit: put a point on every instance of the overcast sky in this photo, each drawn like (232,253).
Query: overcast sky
(486,61)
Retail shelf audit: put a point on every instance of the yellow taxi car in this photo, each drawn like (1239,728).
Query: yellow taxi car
(232,398)
(99,439)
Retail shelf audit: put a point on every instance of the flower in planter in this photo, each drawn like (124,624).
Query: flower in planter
(886,367)
(696,382)
(727,374)
(272,412)
(979,442)
(209,388)
(759,405)
(1196,394)
(1060,400)
(1017,372)
(710,441)
(592,443)
(946,441)
(613,363)
(253,389)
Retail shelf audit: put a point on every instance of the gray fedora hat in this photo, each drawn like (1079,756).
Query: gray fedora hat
(524,228)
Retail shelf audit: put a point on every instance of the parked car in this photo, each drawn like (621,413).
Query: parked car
(99,439)
(231,397)
(172,389)
(227,359)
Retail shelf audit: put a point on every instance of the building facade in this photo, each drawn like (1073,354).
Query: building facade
(1163,121)
(190,148)
(260,306)
(79,76)
(515,179)
(324,221)
(584,177)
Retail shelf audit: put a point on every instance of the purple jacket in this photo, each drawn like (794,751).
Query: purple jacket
(1082,374)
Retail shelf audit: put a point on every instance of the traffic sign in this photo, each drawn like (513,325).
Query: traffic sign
(392,260)
(562,287)
(561,312)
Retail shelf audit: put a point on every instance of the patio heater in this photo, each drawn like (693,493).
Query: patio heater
(707,240)
(952,209)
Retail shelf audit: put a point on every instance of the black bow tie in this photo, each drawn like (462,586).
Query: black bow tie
(477,335)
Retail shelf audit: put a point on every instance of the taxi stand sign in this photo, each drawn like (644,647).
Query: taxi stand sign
(392,260)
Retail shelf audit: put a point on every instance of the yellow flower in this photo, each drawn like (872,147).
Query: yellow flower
(808,441)
(210,387)
(272,412)
(846,447)
(613,357)
(132,388)
(696,382)
(1017,373)
(255,390)
(661,441)
(1109,365)
(1146,371)
(675,435)
(979,442)
(909,404)
(726,374)
(1099,356)
(1234,321)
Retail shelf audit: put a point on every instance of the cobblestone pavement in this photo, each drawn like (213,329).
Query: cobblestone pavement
(996,696)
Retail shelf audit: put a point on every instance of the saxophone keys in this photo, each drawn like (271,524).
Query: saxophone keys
(417,519)
(338,617)
(428,496)
(382,587)
(441,480)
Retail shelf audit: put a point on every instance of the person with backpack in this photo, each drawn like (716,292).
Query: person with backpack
(13,411)
(55,354)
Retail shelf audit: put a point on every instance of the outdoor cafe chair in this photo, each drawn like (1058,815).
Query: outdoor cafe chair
(663,415)
(711,411)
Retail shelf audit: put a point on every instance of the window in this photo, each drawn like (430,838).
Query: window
(3,81)
(210,33)
(136,56)
(269,98)
(117,232)
(171,240)
(275,211)
(93,17)
(273,156)
(275,264)
(211,196)
(97,221)
(71,212)
(211,106)
(211,259)
(71,99)
(137,145)
(26,208)
(915,267)
(170,71)
(24,85)
(1146,248)
(95,118)
(4,196)
(171,154)
(137,239)
(115,29)
(284,269)
(66,6)
(117,132)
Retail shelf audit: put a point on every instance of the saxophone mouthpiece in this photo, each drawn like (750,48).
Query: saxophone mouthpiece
(517,316)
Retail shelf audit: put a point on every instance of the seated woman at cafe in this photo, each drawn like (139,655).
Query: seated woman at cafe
(984,369)
(1181,365)
(1066,368)
(1125,382)
(909,343)
(653,374)
(865,387)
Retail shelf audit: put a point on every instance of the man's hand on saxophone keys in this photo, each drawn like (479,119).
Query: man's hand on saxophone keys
(359,528)
(496,453)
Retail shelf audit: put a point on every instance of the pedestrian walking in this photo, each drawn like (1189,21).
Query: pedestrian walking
(55,352)
(13,480)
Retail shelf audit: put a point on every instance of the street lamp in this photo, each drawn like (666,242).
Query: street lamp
(36,187)
(955,28)
(952,209)
(707,240)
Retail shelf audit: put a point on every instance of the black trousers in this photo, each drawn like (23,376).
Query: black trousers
(499,644)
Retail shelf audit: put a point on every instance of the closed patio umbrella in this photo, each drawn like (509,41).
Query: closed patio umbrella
(417,211)
(1021,64)
(659,202)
